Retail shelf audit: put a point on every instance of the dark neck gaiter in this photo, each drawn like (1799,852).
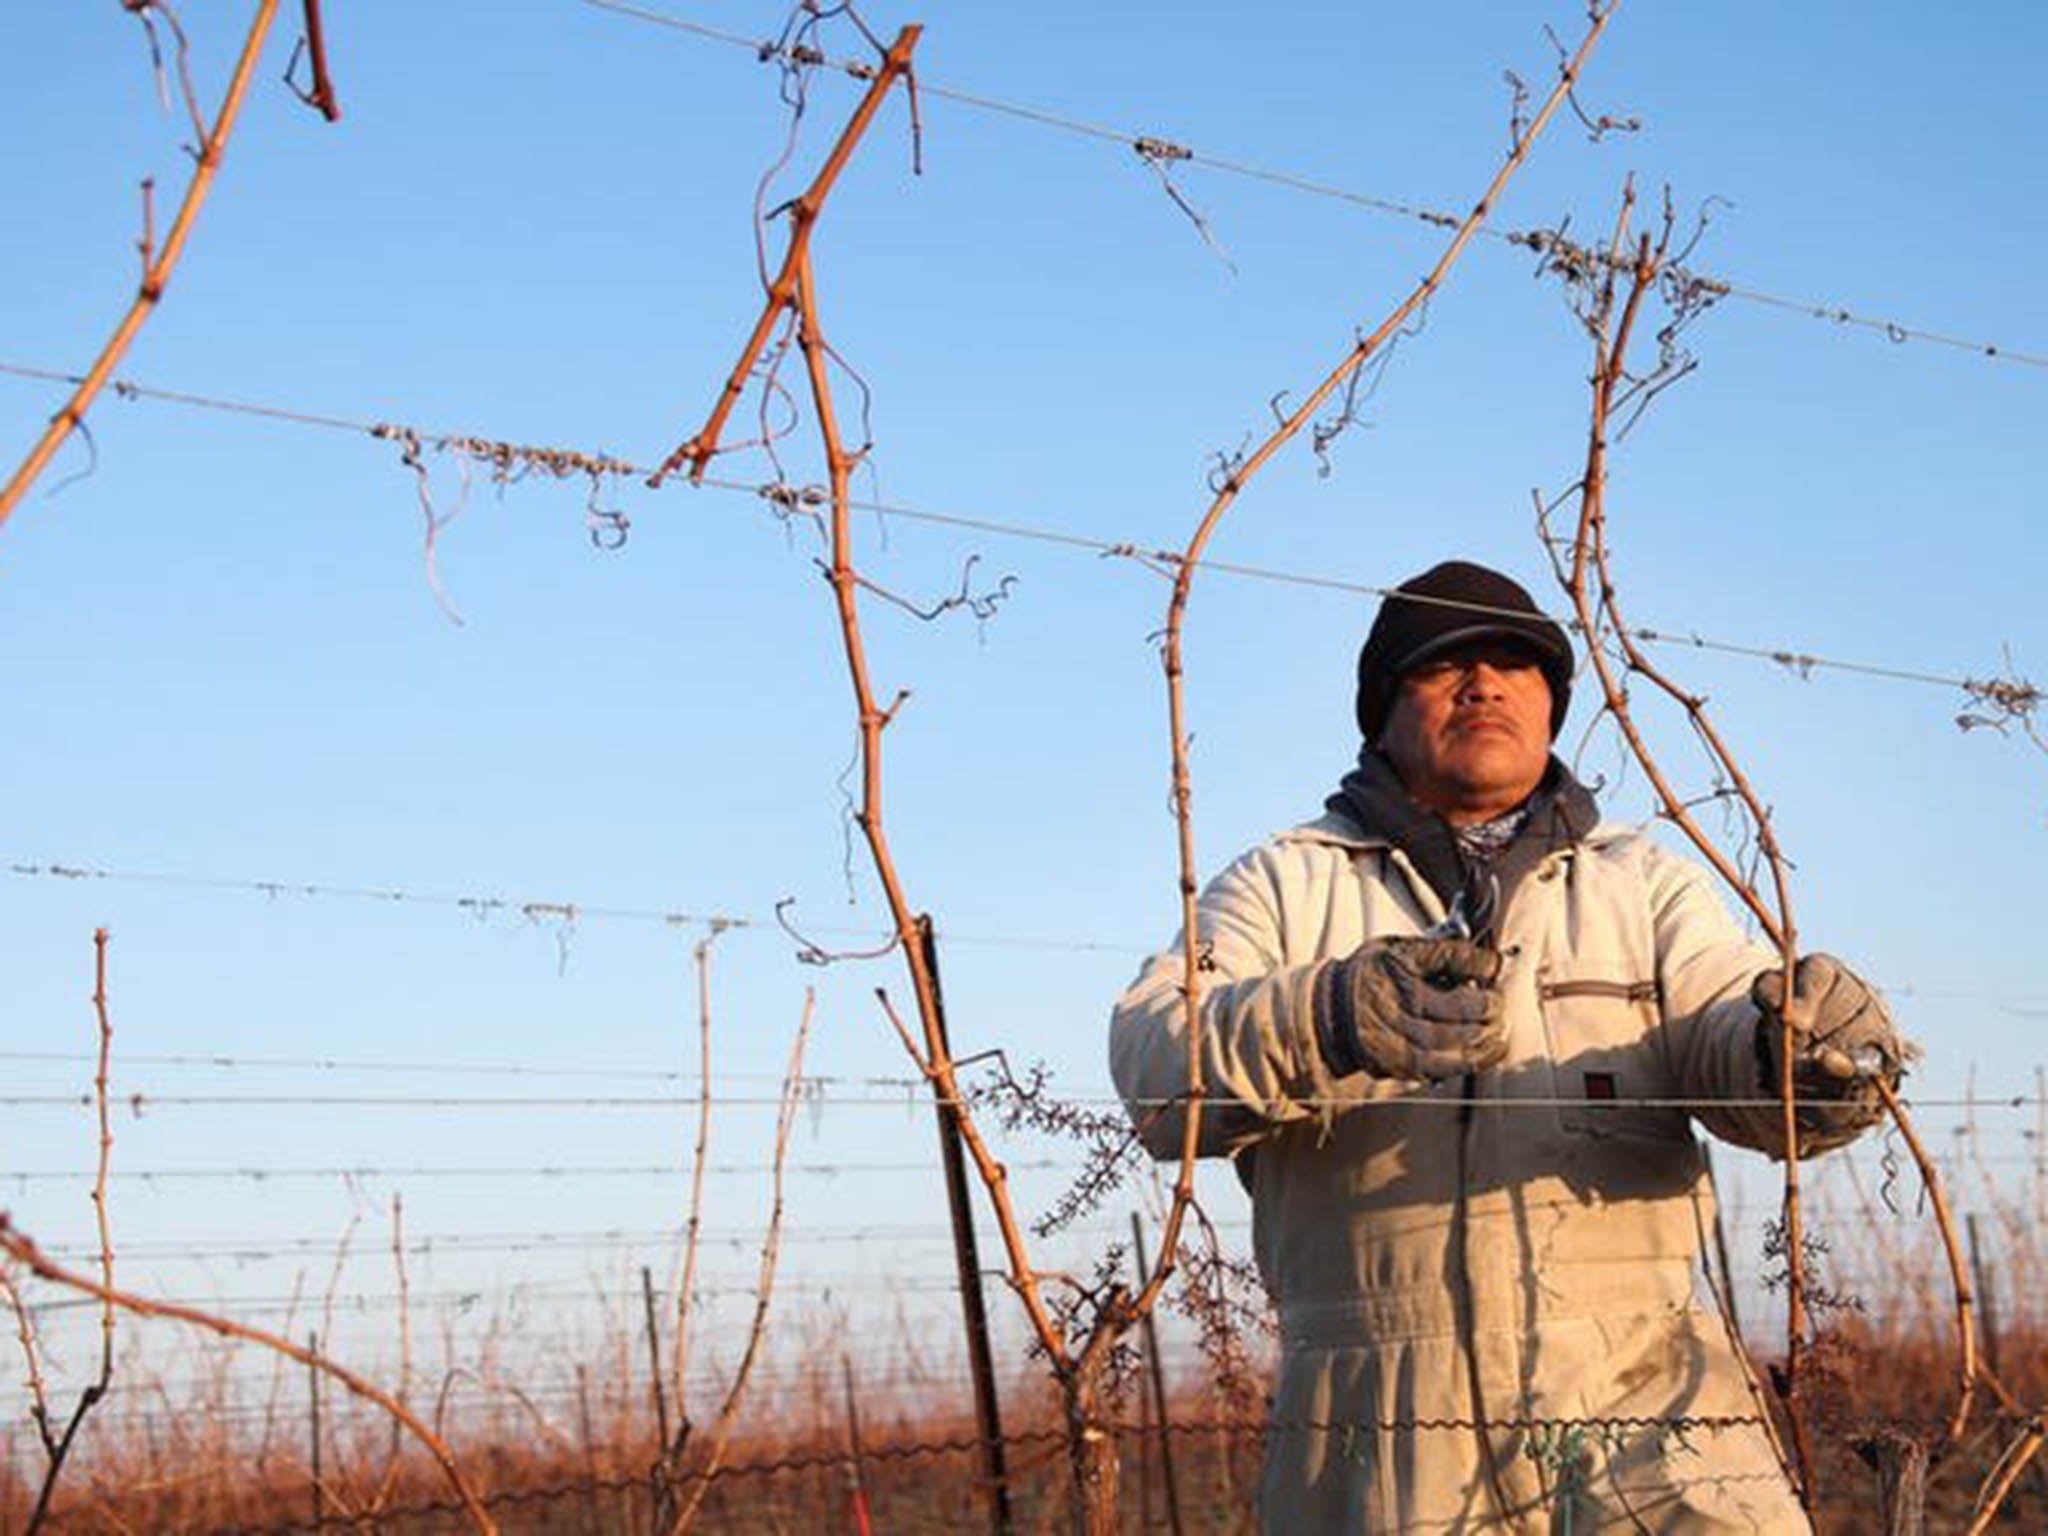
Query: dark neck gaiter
(1556,815)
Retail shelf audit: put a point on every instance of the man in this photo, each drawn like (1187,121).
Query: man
(1460,1033)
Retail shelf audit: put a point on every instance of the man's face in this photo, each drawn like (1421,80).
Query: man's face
(1469,730)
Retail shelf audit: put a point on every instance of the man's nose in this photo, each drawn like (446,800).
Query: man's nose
(1481,680)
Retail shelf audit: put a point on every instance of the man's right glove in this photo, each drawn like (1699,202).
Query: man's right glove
(1845,1041)
(1414,1009)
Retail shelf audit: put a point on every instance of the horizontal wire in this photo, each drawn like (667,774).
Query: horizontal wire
(141,1101)
(267,1251)
(887,1358)
(1039,1447)
(397,896)
(916,1096)
(540,1172)
(499,1396)
(1220,1513)
(479,1298)
(628,1298)
(892,1086)
(1782,656)
(1956,995)
(836,1460)
(471,1297)
(939,1358)
(686,1081)
(275,1246)
(884,1448)
(895,1371)
(1157,149)
(272,1246)
(485,907)
(368,1305)
(910,1371)
(794,1235)
(1800,662)
(1793,660)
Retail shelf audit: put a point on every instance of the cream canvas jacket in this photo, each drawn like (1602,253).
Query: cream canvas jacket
(1456,1282)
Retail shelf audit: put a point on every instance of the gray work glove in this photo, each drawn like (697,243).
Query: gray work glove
(1845,1043)
(1415,1009)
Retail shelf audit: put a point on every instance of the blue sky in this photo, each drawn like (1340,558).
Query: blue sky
(220,656)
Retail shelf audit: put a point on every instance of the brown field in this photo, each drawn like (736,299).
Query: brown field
(582,1462)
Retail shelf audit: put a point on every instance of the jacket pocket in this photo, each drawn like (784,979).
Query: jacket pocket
(1607,1056)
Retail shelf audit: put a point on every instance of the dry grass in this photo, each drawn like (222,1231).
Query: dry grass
(560,1436)
(213,1461)
(548,1458)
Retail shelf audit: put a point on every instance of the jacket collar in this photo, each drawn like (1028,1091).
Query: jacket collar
(1372,808)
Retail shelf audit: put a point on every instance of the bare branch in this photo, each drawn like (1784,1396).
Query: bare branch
(1597,128)
(1161,156)
(1999,703)
(409,454)
(2005,1473)
(389,1482)
(22,1248)
(686,1288)
(101,1221)
(909,1042)
(213,146)
(38,1394)
(697,452)
(146,244)
(764,1291)
(313,48)
(1112,1149)
(57,1447)
(811,953)
(146,12)
(1230,478)
(982,605)
(1614,652)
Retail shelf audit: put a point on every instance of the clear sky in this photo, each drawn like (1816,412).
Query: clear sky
(221,657)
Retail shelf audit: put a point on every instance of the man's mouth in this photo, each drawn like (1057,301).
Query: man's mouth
(1483,725)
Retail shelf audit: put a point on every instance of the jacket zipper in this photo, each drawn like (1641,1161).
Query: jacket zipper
(1625,991)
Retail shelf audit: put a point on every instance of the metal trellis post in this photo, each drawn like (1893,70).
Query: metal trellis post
(1158,1373)
(967,1259)
(313,1389)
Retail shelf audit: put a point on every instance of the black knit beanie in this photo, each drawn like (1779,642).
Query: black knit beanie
(1444,607)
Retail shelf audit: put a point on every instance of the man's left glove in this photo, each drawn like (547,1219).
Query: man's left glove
(1844,1043)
